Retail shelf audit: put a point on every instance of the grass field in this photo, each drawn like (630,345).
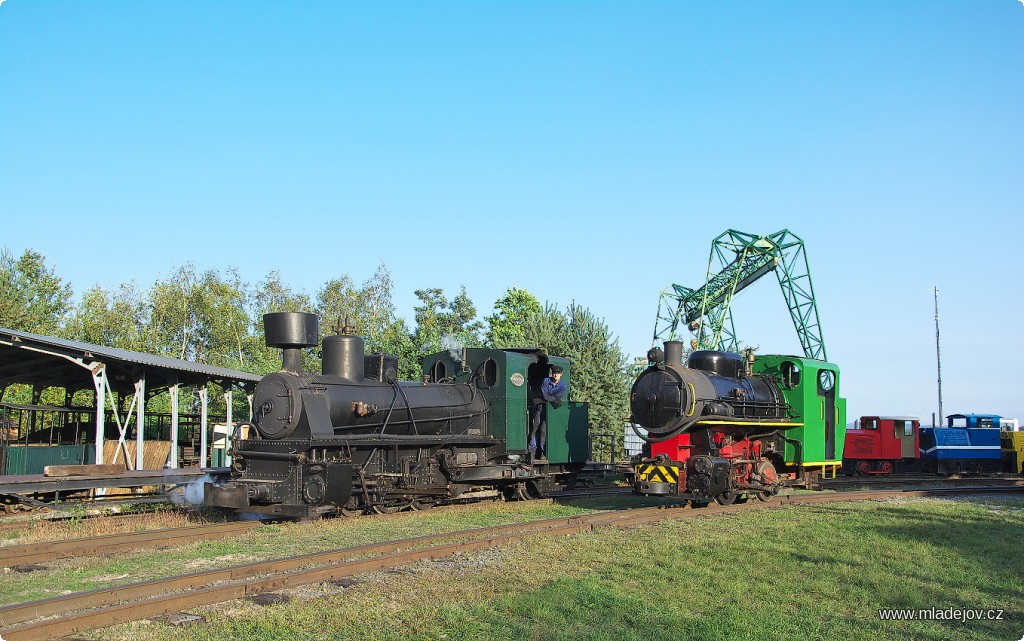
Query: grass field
(811,572)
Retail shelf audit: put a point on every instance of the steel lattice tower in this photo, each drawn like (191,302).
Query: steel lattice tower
(737,260)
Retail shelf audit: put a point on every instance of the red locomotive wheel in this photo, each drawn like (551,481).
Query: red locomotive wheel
(885,467)
(765,473)
(863,468)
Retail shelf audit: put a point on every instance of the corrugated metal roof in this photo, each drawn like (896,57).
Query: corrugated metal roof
(59,349)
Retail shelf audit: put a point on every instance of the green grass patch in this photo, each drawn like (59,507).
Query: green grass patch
(801,572)
(267,542)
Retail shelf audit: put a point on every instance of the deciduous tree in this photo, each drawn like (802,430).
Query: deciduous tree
(114,319)
(33,298)
(200,317)
(505,325)
(443,324)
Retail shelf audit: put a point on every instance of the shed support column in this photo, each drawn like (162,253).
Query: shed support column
(202,426)
(230,426)
(172,460)
(140,416)
(99,380)
(37,395)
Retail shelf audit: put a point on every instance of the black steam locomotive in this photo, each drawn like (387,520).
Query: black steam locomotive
(724,428)
(354,439)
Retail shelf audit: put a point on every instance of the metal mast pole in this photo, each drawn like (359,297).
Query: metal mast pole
(938,355)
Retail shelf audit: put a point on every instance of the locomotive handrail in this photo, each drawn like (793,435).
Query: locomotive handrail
(400,422)
(408,408)
(394,401)
(683,426)
(401,438)
(273,456)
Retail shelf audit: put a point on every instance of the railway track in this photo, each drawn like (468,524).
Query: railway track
(30,553)
(57,617)
(917,480)
(21,525)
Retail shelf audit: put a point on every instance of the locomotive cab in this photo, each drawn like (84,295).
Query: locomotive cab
(510,379)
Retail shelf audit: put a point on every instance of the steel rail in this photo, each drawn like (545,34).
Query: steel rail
(917,480)
(14,524)
(155,598)
(14,555)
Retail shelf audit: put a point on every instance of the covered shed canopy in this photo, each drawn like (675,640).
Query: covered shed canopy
(46,361)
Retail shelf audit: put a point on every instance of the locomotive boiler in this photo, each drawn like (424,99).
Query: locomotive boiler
(354,439)
(724,428)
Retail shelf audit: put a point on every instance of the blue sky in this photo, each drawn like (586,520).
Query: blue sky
(585,151)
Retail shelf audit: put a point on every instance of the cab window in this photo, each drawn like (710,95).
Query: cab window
(490,372)
(790,374)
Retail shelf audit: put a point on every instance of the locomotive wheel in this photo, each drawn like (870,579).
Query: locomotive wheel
(390,508)
(885,467)
(352,508)
(526,491)
(863,468)
(726,498)
(529,491)
(422,504)
(764,497)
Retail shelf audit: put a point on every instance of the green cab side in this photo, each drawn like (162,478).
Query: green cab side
(812,390)
(509,379)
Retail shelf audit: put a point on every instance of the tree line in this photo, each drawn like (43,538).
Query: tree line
(215,317)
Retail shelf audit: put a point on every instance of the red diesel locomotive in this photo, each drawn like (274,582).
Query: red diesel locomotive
(881,445)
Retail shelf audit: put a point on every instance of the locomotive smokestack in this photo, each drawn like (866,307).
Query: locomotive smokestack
(674,353)
(291,332)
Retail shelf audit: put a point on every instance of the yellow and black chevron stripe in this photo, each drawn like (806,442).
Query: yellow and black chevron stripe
(657,473)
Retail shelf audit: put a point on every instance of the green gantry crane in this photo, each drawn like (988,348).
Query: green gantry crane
(738,259)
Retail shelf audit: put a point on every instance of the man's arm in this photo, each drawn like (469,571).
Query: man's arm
(553,391)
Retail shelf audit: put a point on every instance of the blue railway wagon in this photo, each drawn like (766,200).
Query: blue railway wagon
(969,443)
